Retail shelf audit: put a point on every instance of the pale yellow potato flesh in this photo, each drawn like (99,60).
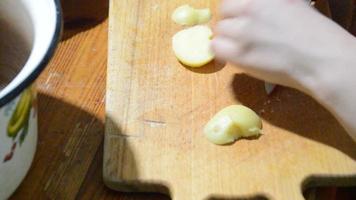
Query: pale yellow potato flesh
(221,130)
(191,46)
(231,123)
(204,15)
(189,16)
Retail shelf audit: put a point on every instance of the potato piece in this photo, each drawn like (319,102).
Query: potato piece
(185,15)
(204,15)
(231,123)
(192,46)
(249,123)
(189,16)
(221,130)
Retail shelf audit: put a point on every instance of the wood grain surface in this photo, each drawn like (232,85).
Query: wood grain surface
(68,162)
(156,110)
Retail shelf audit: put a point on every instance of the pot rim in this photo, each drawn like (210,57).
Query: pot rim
(44,61)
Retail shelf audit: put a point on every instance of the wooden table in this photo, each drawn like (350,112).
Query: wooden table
(68,162)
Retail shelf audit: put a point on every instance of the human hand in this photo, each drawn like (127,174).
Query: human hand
(287,42)
(280,41)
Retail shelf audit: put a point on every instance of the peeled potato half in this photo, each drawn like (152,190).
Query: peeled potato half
(231,123)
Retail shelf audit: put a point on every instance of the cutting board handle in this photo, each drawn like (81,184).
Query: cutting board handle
(277,195)
(286,191)
(295,195)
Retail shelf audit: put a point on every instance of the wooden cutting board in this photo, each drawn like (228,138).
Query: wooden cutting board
(156,109)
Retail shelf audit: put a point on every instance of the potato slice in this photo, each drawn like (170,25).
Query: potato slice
(185,15)
(189,16)
(231,123)
(204,15)
(192,46)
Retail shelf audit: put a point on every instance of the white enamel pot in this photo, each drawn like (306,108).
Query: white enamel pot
(29,34)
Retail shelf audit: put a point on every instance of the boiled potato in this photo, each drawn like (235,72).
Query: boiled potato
(221,130)
(204,15)
(231,123)
(192,46)
(187,15)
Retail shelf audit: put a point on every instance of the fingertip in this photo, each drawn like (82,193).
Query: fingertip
(233,8)
(232,27)
(224,48)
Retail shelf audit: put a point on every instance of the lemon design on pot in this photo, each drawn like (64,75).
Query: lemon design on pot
(19,121)
(19,118)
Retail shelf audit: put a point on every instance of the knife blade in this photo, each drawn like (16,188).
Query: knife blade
(269,87)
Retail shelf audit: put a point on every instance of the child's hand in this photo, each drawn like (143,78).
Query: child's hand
(280,41)
(287,42)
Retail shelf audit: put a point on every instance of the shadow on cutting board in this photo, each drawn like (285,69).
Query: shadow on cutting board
(68,160)
(247,198)
(212,67)
(120,171)
(299,113)
(294,111)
